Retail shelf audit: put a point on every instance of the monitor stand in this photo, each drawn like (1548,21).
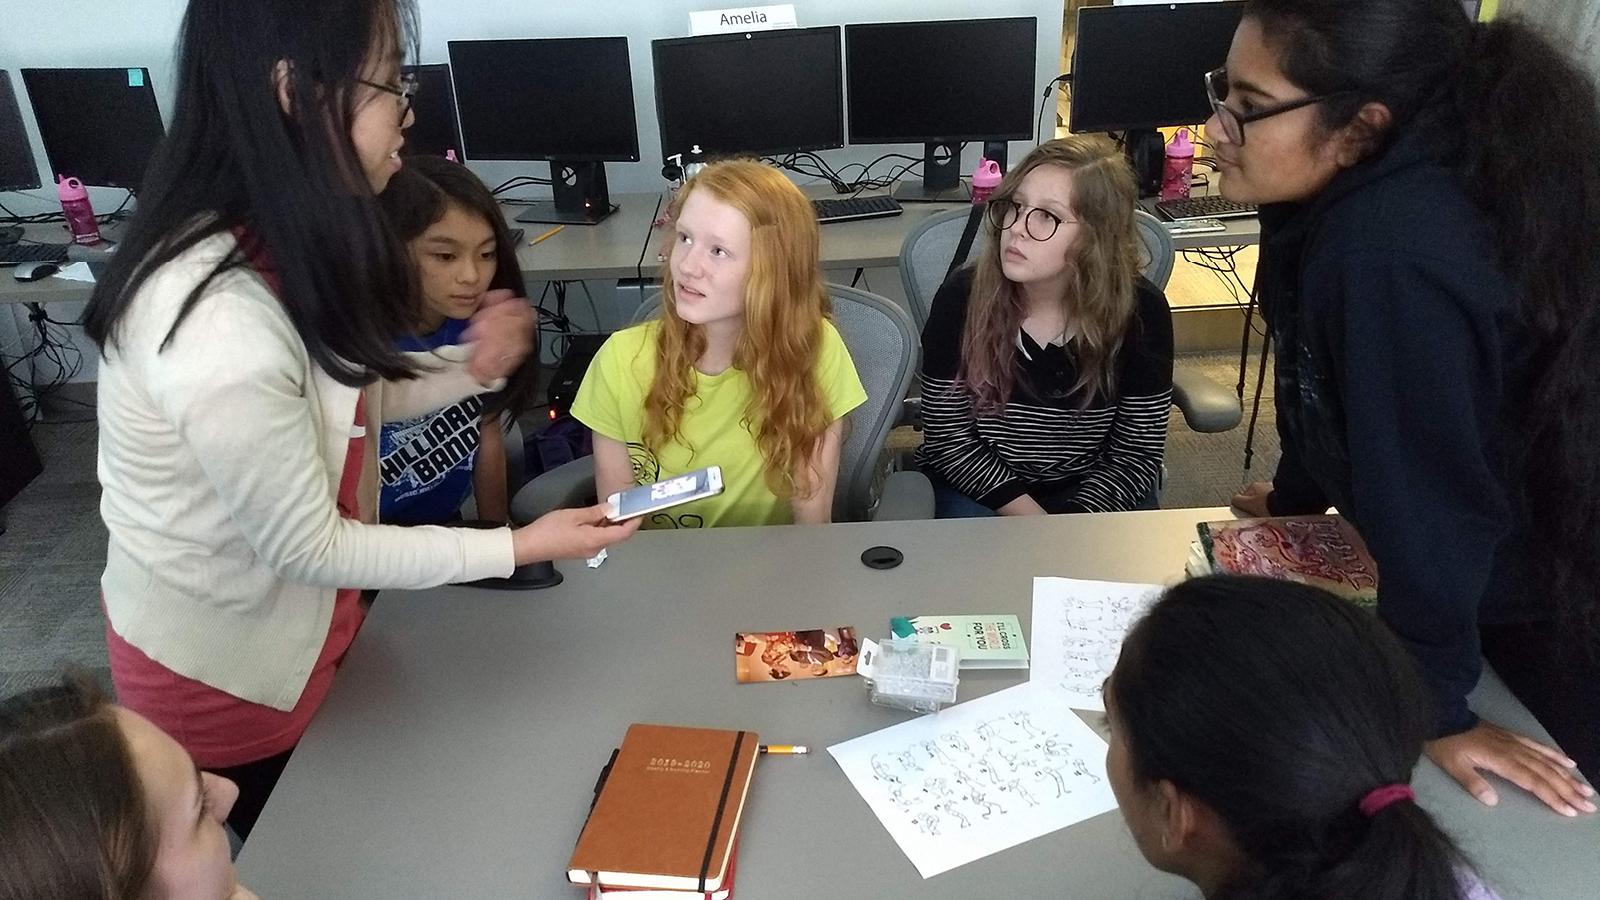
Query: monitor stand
(941,177)
(1147,154)
(580,195)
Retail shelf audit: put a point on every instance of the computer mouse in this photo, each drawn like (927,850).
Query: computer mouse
(34,271)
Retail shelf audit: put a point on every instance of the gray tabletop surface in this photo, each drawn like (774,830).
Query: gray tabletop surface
(457,752)
(612,249)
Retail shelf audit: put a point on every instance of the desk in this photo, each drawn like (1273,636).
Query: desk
(52,289)
(457,752)
(610,250)
(1239,232)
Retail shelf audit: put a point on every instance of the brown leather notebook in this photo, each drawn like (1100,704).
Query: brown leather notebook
(668,811)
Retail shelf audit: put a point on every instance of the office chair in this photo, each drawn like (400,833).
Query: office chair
(516,466)
(1206,406)
(885,346)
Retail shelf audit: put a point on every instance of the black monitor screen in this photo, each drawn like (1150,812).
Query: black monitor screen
(558,98)
(941,81)
(1144,66)
(17,169)
(750,93)
(100,126)
(434,131)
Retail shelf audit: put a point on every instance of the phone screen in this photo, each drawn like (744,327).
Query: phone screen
(646,498)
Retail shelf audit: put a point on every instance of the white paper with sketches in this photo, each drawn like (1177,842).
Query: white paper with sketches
(979,777)
(1078,627)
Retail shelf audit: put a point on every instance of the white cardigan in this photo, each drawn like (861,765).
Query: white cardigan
(220,459)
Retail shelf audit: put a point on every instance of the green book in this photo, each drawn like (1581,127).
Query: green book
(985,642)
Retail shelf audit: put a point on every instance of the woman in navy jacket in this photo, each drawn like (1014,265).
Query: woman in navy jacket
(1430,269)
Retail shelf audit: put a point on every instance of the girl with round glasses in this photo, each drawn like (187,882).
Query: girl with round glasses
(1047,366)
(1430,269)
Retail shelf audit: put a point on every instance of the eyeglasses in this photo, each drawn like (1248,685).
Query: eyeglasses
(405,94)
(1233,122)
(1040,224)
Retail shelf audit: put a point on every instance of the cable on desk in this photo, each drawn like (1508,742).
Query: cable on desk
(12,218)
(814,166)
(649,230)
(512,184)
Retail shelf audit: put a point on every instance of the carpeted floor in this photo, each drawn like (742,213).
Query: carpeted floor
(54,545)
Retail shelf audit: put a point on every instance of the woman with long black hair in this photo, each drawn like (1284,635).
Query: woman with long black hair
(1263,736)
(1430,268)
(248,331)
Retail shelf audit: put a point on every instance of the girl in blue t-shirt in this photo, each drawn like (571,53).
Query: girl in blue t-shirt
(429,465)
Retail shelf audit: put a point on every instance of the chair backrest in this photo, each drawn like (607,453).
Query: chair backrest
(925,258)
(1156,256)
(886,348)
(925,255)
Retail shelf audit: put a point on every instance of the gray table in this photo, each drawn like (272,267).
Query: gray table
(1238,232)
(611,249)
(51,289)
(607,251)
(457,752)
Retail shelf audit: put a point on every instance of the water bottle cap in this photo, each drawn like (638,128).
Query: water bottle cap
(68,188)
(1181,145)
(987,174)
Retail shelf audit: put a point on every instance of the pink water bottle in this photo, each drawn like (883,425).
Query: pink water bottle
(1179,168)
(984,180)
(80,215)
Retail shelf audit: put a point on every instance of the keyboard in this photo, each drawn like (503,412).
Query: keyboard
(850,209)
(19,253)
(1212,207)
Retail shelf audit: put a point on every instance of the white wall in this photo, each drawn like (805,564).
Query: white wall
(143,33)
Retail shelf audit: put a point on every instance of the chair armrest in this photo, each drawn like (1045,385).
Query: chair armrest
(516,457)
(1208,407)
(567,485)
(910,411)
(907,496)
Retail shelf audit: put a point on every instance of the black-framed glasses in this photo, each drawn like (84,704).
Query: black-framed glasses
(405,95)
(1233,121)
(1040,224)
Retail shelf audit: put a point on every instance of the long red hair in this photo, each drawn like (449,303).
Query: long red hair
(785,304)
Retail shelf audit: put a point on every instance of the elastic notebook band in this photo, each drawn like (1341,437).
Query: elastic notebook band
(1379,799)
(722,803)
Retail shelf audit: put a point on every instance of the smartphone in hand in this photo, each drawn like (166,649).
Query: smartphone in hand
(648,498)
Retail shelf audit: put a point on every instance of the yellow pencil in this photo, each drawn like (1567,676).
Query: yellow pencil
(548,234)
(784,750)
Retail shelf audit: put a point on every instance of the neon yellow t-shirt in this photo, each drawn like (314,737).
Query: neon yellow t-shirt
(611,402)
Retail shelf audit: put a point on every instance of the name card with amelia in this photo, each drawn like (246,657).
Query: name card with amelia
(743,18)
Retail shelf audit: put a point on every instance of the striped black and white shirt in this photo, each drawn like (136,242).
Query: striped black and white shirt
(1103,457)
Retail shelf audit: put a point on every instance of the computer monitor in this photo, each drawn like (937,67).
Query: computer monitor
(749,93)
(100,126)
(1139,68)
(938,84)
(566,100)
(435,130)
(17,169)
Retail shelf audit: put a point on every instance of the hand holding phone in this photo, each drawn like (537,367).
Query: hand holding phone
(568,534)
